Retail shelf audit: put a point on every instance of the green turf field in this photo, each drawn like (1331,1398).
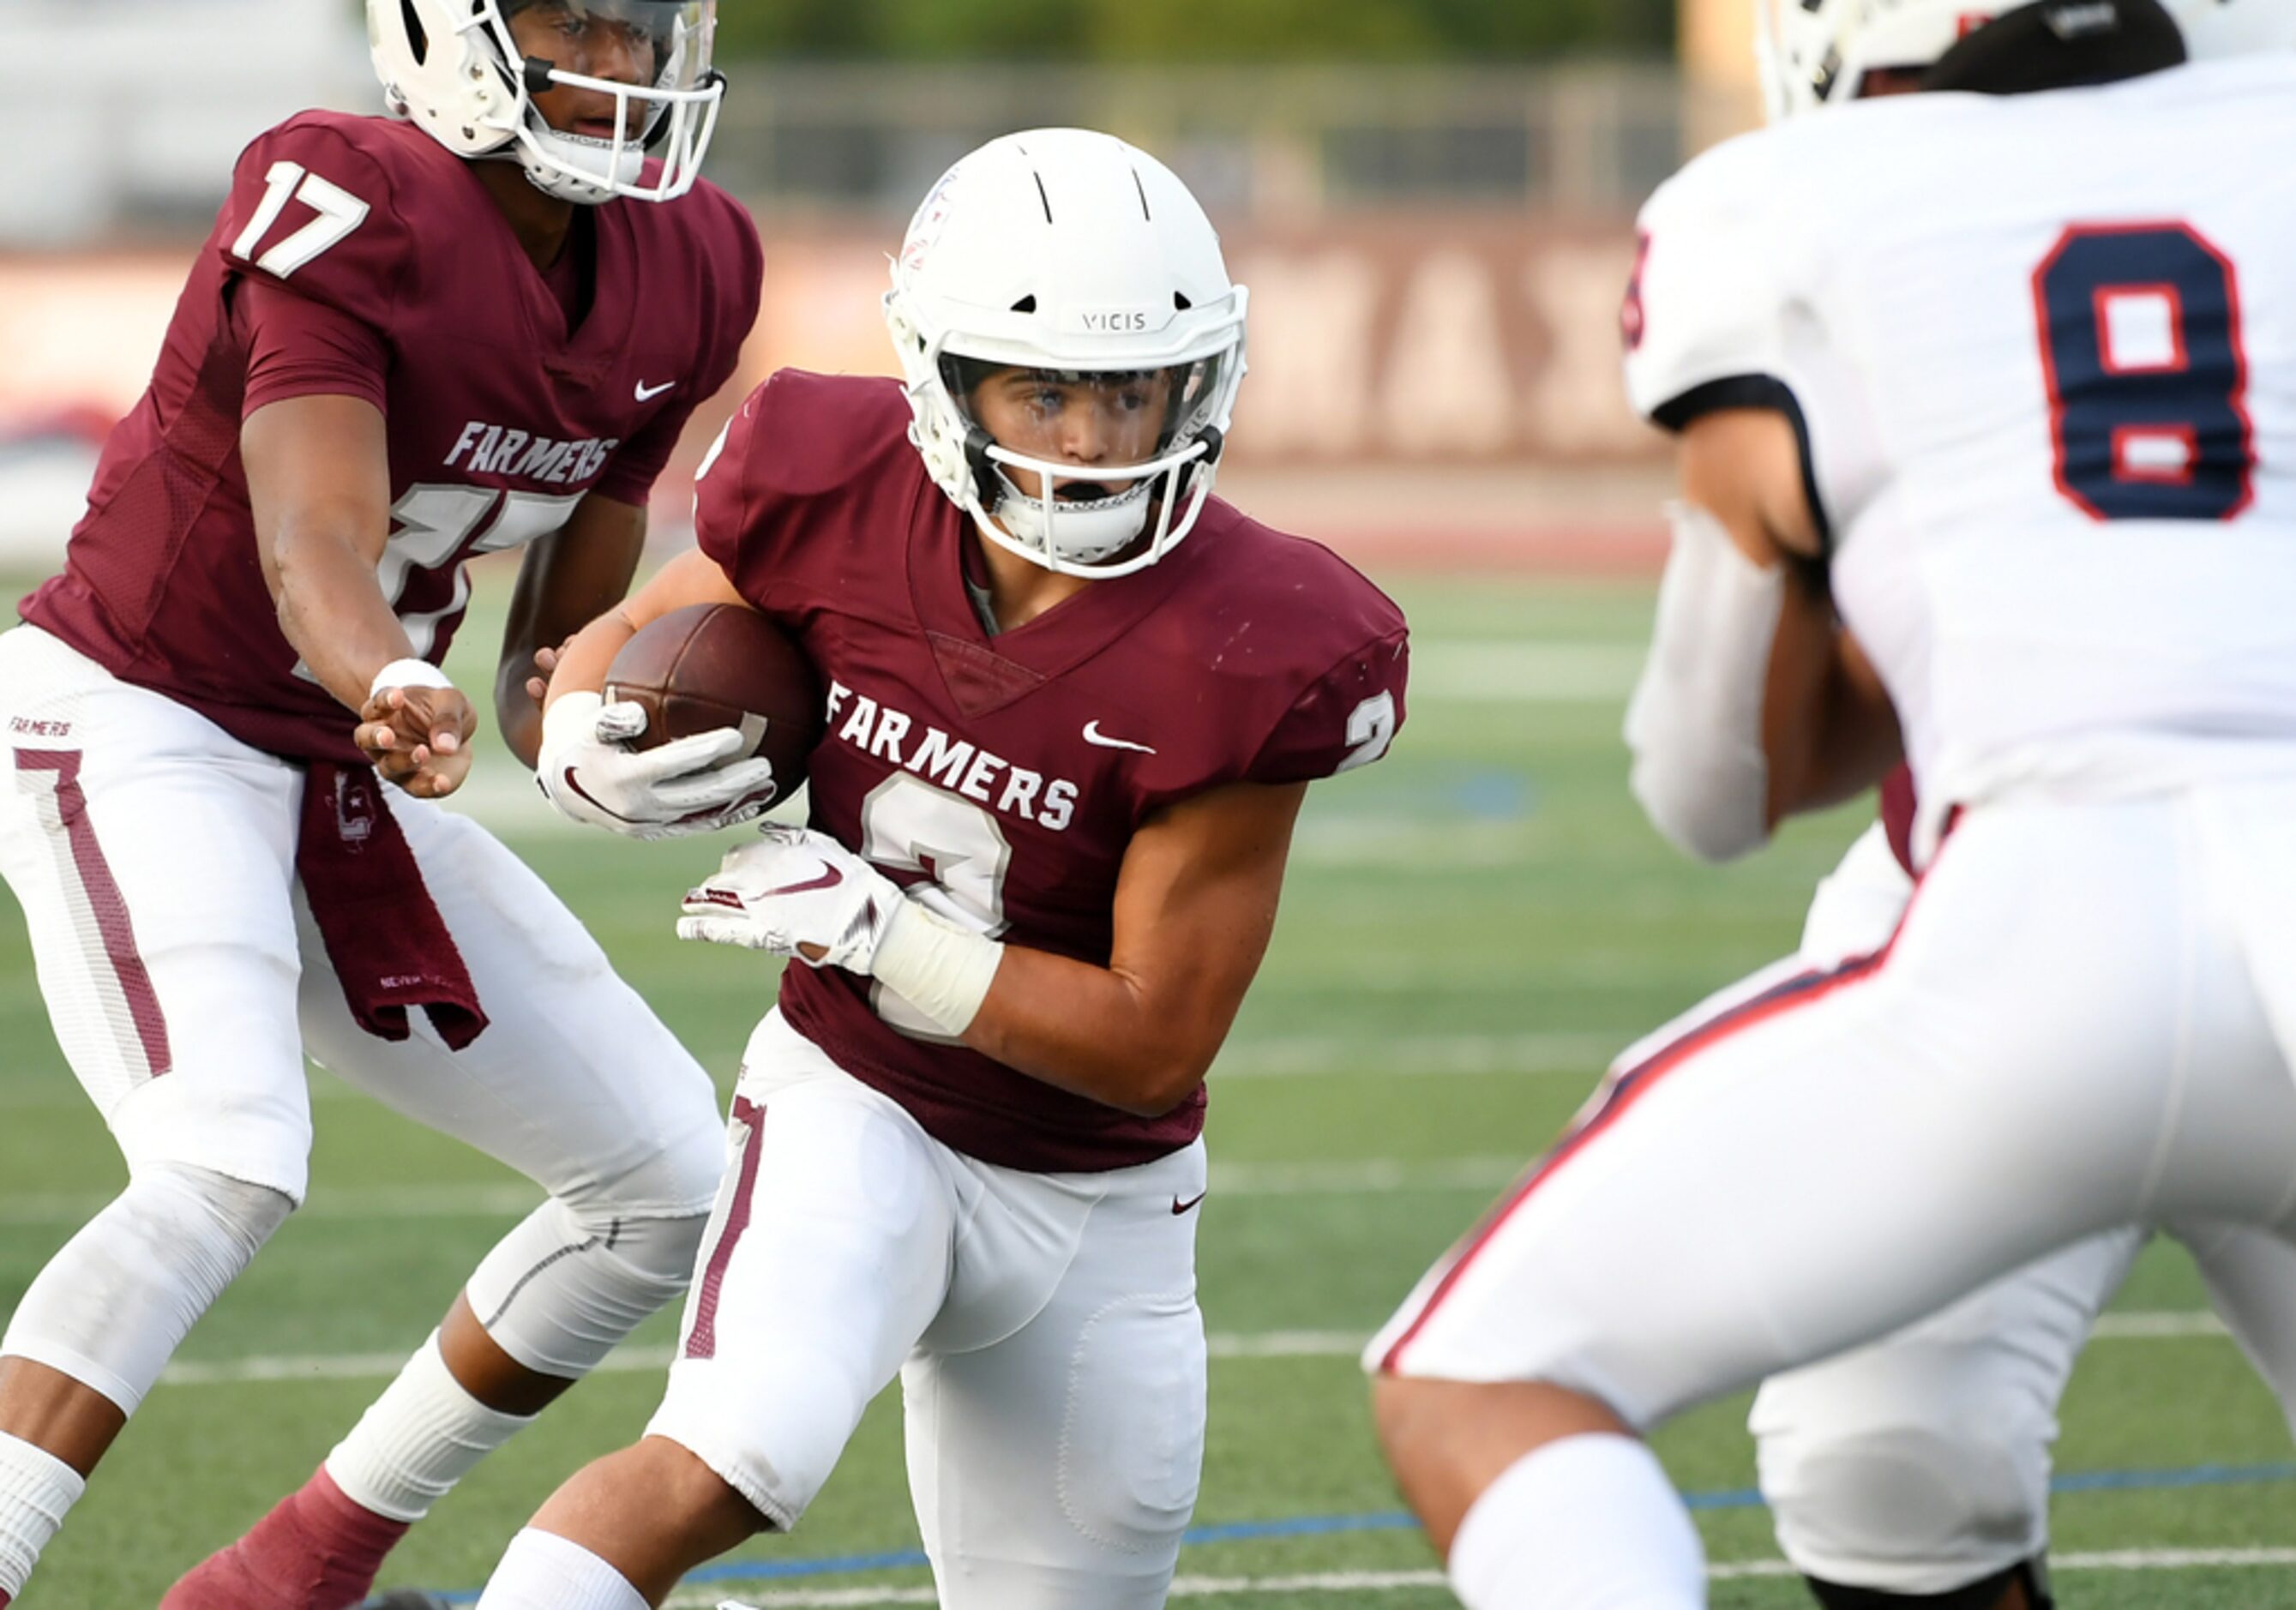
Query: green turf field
(1471,929)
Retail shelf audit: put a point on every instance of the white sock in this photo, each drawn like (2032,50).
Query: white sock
(544,1571)
(421,1437)
(1589,1522)
(36,1489)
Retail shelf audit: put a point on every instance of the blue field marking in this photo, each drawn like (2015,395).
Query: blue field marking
(1325,1525)
(2190,1475)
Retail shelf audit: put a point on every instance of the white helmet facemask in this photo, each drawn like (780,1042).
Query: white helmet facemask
(462,71)
(1072,348)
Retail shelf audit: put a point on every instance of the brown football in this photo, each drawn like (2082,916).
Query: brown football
(712,665)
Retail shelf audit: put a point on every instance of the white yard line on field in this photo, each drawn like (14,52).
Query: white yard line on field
(1280,1055)
(2155,1325)
(1370,1175)
(1392,1582)
(1278,1344)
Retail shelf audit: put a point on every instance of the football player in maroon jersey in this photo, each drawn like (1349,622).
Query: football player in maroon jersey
(1073,706)
(477,325)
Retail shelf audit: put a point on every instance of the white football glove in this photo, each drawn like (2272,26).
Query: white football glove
(795,887)
(693,785)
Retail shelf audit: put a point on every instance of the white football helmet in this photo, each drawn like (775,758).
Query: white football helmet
(455,69)
(1086,265)
(1818,53)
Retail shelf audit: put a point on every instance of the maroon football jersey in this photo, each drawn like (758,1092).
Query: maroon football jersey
(500,419)
(1008,773)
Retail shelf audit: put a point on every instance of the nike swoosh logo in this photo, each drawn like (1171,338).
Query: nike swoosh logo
(1092,735)
(648,393)
(1180,1207)
(829,879)
(575,783)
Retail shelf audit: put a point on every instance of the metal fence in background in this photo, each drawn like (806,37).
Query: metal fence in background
(144,103)
(1257,144)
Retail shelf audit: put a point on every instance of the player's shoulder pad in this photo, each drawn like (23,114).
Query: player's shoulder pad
(715,243)
(332,206)
(814,433)
(1319,604)
(797,439)
(1297,634)
(1724,246)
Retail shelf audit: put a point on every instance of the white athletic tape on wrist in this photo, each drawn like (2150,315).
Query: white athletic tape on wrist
(1695,722)
(942,970)
(571,719)
(409,673)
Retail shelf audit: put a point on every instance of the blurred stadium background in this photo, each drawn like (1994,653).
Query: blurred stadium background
(1433,201)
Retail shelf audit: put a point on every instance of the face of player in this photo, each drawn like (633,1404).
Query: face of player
(1093,422)
(576,38)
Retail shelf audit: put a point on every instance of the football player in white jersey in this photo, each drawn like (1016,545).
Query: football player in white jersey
(1915,1471)
(1988,407)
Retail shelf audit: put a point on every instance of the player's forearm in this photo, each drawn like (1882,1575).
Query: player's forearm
(1846,740)
(332,611)
(1094,1032)
(1858,741)
(517,712)
(589,654)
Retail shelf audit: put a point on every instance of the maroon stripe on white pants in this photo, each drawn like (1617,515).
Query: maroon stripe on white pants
(701,1339)
(50,777)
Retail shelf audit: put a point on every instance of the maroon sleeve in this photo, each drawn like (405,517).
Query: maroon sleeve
(298,348)
(1345,718)
(737,263)
(311,211)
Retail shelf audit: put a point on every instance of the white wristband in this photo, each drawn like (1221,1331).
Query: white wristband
(942,970)
(572,717)
(409,673)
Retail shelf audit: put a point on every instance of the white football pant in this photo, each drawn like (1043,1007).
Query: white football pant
(1043,1327)
(154,858)
(1920,1464)
(2077,1027)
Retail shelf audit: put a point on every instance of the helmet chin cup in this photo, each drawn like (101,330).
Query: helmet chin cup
(1104,537)
(587,172)
(1087,533)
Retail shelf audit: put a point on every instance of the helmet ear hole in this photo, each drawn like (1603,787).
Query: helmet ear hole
(418,38)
